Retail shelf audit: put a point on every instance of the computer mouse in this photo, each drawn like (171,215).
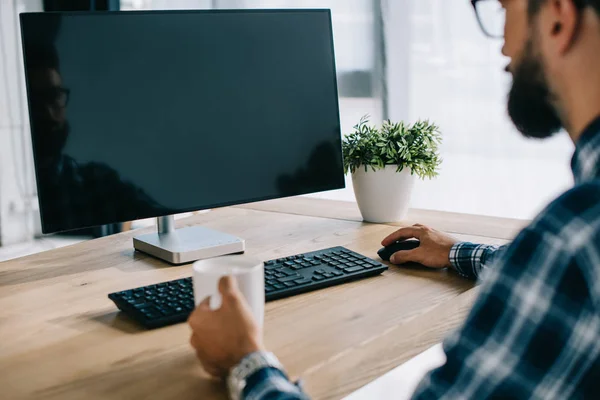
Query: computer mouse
(386,252)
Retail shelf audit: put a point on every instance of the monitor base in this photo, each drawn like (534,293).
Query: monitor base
(185,245)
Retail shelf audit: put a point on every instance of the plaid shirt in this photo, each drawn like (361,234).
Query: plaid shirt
(534,331)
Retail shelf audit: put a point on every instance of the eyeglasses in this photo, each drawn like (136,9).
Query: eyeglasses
(53,97)
(491,17)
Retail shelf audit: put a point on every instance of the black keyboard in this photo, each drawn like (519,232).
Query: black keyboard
(171,302)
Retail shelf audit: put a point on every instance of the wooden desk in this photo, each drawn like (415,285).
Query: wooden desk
(61,338)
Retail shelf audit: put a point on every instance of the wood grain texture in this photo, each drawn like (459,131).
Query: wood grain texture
(63,339)
(478,225)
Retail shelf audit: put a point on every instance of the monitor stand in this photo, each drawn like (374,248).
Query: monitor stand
(185,245)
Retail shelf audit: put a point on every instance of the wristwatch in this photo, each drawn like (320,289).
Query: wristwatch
(237,379)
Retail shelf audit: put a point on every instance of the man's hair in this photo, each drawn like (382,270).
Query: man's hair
(41,55)
(534,5)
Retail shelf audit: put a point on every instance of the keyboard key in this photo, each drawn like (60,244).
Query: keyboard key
(303,281)
(320,271)
(269,289)
(153,315)
(288,264)
(287,271)
(328,275)
(178,310)
(149,309)
(280,275)
(280,260)
(315,263)
(372,262)
(337,273)
(290,284)
(173,304)
(269,263)
(271,266)
(351,264)
(271,281)
(353,269)
(317,278)
(279,286)
(289,278)
(306,265)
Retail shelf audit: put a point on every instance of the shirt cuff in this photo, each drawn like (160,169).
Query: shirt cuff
(468,259)
(258,373)
(272,383)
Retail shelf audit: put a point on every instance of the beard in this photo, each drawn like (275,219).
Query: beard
(50,140)
(530,100)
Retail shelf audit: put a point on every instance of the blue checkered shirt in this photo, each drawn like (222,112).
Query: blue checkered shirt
(534,331)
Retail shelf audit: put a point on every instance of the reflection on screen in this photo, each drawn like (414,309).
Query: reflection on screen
(136,115)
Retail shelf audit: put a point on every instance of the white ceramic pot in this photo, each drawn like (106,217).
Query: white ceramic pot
(383,195)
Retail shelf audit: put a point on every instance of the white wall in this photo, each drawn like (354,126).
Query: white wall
(16,176)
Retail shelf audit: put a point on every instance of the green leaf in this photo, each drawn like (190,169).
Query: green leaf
(413,146)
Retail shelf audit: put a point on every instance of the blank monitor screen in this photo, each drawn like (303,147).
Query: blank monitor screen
(143,114)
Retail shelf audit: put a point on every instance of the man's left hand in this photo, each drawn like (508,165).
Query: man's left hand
(223,337)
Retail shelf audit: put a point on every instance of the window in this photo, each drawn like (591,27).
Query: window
(413,59)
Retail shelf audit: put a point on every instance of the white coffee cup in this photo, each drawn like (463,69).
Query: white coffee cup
(247,271)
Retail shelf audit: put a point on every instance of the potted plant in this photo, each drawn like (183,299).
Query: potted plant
(384,162)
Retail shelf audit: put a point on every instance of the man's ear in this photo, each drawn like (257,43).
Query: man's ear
(560,20)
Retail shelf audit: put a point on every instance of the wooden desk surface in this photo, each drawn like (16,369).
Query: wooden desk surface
(61,338)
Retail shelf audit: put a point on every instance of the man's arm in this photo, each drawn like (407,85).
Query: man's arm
(532,333)
(439,250)
(270,384)
(471,260)
(228,343)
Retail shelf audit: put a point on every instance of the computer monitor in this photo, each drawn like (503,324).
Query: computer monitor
(150,114)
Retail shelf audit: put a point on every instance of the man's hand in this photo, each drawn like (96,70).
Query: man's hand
(224,336)
(433,251)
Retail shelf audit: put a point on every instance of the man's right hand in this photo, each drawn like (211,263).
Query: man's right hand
(434,250)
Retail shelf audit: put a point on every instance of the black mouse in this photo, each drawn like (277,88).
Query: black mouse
(386,252)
